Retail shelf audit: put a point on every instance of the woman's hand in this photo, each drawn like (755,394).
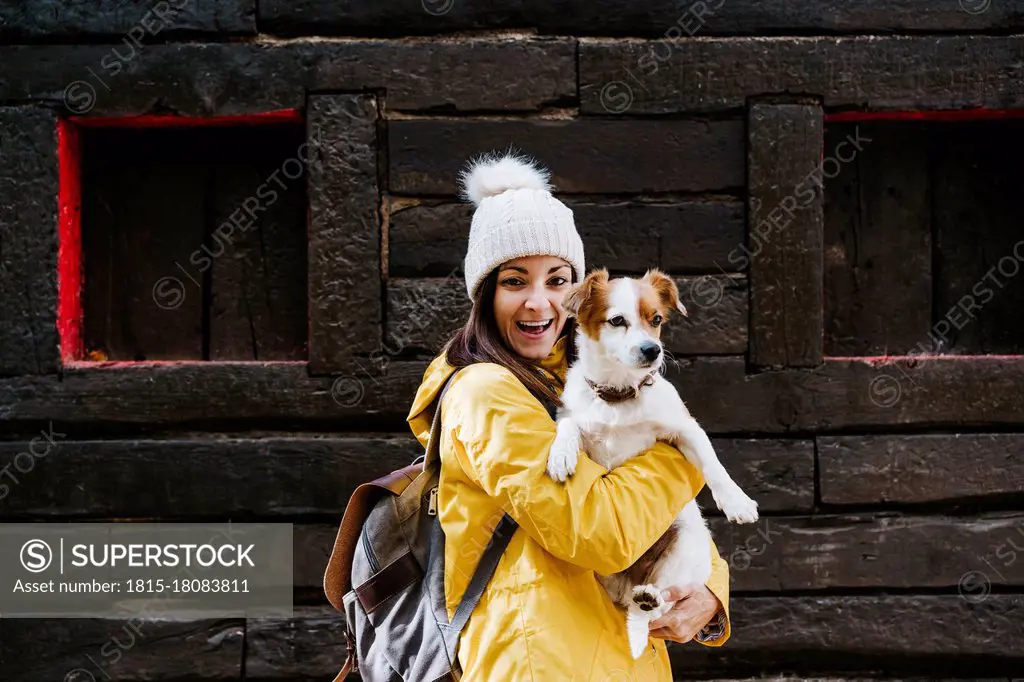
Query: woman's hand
(693,609)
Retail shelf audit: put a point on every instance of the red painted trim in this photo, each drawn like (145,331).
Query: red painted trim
(281,116)
(69,242)
(941,115)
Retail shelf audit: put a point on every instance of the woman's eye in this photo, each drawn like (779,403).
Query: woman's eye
(513,281)
(656,321)
(617,321)
(558,281)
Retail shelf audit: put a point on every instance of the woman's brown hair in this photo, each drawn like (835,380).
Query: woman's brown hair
(481,341)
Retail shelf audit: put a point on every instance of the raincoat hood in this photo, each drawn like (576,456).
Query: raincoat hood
(421,414)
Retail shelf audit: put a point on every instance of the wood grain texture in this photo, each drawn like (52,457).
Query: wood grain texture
(584,156)
(979,290)
(936,393)
(344,231)
(258,287)
(251,478)
(656,19)
(248,77)
(919,468)
(310,646)
(780,554)
(878,240)
(429,239)
(82,650)
(783,554)
(28,241)
(784,169)
(937,636)
(825,635)
(278,477)
(899,73)
(144,195)
(131,22)
(423,313)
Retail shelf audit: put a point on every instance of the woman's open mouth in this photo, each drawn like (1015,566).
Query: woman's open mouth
(536,329)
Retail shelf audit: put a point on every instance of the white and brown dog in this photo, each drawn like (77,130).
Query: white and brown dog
(616,404)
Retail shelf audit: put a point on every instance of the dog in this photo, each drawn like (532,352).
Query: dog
(616,405)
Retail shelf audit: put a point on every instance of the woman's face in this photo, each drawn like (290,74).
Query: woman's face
(528,303)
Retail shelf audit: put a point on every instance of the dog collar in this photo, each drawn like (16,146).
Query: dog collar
(619,394)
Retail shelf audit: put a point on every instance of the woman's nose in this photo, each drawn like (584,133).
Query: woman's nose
(537,301)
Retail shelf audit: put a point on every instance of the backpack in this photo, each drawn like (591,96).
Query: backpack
(386,574)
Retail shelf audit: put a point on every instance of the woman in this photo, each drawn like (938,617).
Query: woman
(544,615)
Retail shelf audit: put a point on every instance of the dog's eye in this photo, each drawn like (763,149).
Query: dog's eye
(618,321)
(656,321)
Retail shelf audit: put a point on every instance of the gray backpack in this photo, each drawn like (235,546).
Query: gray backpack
(386,574)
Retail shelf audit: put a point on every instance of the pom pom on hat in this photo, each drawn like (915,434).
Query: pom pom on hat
(490,175)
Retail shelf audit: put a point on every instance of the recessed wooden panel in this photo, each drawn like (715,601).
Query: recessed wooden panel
(194,243)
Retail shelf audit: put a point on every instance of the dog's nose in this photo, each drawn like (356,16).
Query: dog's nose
(650,351)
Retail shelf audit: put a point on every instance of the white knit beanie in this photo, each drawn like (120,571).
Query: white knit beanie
(515,216)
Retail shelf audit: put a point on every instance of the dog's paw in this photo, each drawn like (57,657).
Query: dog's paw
(736,505)
(647,597)
(562,463)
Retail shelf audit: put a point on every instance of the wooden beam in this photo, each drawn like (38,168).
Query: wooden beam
(344,231)
(426,156)
(784,554)
(894,73)
(656,19)
(259,77)
(429,239)
(816,635)
(946,392)
(29,189)
(784,172)
(281,477)
(827,634)
(35,19)
(87,649)
(919,469)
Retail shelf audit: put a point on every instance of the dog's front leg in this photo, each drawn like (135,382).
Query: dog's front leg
(730,498)
(565,451)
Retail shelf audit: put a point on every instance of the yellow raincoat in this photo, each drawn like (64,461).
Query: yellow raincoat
(544,617)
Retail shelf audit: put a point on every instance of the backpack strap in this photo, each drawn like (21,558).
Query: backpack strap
(484,571)
(432,458)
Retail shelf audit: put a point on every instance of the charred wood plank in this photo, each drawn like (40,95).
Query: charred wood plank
(919,468)
(135,24)
(29,186)
(344,231)
(686,237)
(897,73)
(634,156)
(947,392)
(245,77)
(81,650)
(786,226)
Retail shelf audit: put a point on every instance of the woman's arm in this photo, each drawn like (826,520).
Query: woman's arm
(599,519)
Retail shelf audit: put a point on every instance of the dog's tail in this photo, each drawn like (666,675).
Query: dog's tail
(492,174)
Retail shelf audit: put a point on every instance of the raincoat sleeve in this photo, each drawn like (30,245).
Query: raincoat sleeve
(718,630)
(599,519)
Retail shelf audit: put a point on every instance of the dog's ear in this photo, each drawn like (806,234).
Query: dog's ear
(582,292)
(665,287)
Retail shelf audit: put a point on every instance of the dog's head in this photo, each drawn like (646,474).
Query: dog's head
(623,317)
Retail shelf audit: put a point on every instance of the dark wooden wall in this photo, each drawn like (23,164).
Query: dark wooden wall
(794,164)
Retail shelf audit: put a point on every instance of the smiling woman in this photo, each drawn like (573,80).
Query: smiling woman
(543,615)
